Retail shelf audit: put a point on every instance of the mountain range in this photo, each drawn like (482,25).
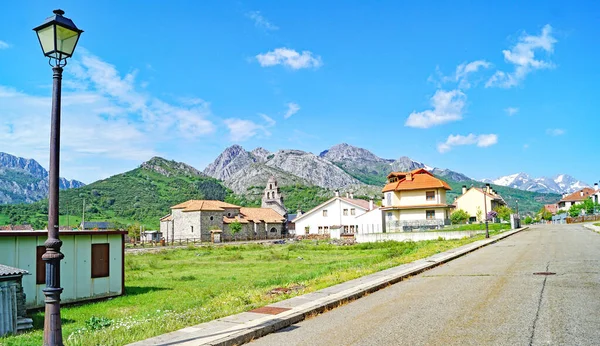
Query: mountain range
(561,183)
(25,180)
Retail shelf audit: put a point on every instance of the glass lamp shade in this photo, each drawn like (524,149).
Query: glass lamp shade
(58,36)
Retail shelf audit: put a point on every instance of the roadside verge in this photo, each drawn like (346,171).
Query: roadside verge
(244,327)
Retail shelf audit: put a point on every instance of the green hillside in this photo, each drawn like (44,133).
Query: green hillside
(141,196)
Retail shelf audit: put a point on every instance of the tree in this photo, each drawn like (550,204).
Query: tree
(528,220)
(491,215)
(133,231)
(504,212)
(235,227)
(544,214)
(479,214)
(459,216)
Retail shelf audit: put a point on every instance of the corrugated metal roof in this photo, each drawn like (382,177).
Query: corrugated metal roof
(9,271)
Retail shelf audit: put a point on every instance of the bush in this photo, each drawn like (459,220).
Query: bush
(459,216)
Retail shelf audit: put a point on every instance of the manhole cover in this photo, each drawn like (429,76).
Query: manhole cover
(544,273)
(269,310)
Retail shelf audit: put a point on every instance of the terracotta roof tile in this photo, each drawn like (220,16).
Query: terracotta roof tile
(421,179)
(262,214)
(576,196)
(204,205)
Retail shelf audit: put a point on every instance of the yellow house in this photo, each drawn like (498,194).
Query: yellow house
(415,199)
(472,200)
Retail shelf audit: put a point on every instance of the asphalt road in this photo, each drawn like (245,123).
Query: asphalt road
(489,297)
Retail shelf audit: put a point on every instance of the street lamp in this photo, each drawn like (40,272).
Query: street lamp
(518,217)
(487,231)
(58,37)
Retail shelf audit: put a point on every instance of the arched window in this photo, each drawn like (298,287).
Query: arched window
(273,230)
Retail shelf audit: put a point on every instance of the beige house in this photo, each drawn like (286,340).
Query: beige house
(196,219)
(415,199)
(472,201)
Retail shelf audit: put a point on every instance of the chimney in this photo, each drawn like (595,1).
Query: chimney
(298,212)
(371,204)
(351,195)
(464,189)
(581,193)
(488,188)
(595,186)
(347,194)
(337,193)
(409,177)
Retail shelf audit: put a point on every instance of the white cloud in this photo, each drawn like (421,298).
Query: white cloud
(461,74)
(447,106)
(293,108)
(510,111)
(270,122)
(471,139)
(260,21)
(4,45)
(555,132)
(290,58)
(105,118)
(523,57)
(241,129)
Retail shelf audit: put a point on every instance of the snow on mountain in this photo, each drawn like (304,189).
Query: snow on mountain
(561,183)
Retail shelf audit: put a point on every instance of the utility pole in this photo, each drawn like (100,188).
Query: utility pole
(68,223)
(83,217)
(487,231)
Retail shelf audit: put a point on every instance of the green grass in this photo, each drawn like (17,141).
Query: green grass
(173,289)
(597,224)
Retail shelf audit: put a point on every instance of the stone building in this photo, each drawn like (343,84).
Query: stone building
(195,219)
(272,197)
(12,301)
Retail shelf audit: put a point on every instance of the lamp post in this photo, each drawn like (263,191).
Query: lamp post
(58,37)
(487,231)
(518,217)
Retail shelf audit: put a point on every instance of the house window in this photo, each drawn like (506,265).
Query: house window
(228,214)
(100,260)
(352,229)
(430,214)
(273,230)
(325,212)
(40,266)
(211,218)
(352,211)
(345,228)
(192,227)
(389,216)
(320,229)
(388,197)
(345,212)
(430,195)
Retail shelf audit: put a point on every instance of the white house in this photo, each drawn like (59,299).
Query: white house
(336,213)
(415,199)
(576,197)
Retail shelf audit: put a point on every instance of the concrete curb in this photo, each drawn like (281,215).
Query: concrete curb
(244,327)
(591,227)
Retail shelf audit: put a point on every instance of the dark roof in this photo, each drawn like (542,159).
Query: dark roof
(290,217)
(98,225)
(11,271)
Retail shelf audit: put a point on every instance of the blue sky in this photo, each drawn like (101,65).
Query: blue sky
(486,89)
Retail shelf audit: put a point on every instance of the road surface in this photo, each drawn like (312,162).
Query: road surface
(489,297)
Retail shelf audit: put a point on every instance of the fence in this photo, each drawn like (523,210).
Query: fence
(197,241)
(417,225)
(585,218)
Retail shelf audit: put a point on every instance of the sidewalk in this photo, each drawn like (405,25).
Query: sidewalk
(246,326)
(592,227)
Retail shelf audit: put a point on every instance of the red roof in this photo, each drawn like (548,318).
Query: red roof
(578,195)
(420,179)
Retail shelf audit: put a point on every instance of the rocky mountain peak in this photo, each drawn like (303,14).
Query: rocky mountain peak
(260,154)
(8,161)
(346,152)
(230,161)
(170,168)
(406,164)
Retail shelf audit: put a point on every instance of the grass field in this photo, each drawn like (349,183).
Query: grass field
(173,289)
